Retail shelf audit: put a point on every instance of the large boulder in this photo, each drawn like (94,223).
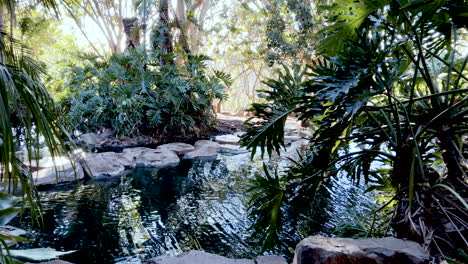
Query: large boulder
(155,158)
(197,257)
(56,170)
(178,148)
(325,250)
(204,149)
(106,163)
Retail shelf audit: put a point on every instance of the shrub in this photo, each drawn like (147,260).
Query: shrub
(133,94)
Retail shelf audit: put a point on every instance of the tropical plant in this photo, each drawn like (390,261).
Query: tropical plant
(28,114)
(132,93)
(8,236)
(390,109)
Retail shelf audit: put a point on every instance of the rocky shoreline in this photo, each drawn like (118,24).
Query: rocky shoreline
(315,250)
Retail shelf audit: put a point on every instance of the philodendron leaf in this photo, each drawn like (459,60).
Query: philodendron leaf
(38,254)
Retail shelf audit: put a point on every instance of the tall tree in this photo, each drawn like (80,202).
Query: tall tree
(106,15)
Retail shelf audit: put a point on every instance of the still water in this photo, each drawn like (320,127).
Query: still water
(199,204)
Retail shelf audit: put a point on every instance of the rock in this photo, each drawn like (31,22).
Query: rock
(156,158)
(205,143)
(270,260)
(59,172)
(323,250)
(90,139)
(228,139)
(106,163)
(178,148)
(234,149)
(106,141)
(204,149)
(288,140)
(38,254)
(197,257)
(130,142)
(57,261)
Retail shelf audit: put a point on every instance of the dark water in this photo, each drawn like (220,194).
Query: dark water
(147,213)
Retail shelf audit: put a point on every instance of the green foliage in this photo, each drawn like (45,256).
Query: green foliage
(27,114)
(267,194)
(268,132)
(284,41)
(132,93)
(388,110)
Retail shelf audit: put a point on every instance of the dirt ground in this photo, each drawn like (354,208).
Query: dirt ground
(228,124)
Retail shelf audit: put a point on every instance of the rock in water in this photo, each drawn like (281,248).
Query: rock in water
(53,262)
(270,260)
(228,139)
(56,170)
(154,158)
(106,163)
(177,147)
(198,257)
(325,250)
(38,254)
(204,149)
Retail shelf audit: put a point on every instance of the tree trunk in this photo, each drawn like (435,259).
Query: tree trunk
(132,31)
(2,23)
(450,154)
(166,42)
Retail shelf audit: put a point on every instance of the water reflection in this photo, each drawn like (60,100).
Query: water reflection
(147,213)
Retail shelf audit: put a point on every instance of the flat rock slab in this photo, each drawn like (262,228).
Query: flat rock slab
(177,147)
(38,254)
(204,149)
(325,250)
(59,172)
(106,163)
(234,149)
(198,257)
(57,261)
(270,260)
(228,139)
(155,158)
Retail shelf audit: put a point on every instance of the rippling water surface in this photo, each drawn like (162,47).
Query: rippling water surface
(147,213)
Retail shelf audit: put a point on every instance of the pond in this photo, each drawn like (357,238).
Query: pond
(199,204)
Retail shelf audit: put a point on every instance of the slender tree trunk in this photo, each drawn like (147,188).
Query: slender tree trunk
(450,154)
(166,43)
(132,31)
(2,22)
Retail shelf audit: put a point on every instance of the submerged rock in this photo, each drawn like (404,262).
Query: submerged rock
(178,148)
(155,158)
(323,250)
(197,257)
(204,149)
